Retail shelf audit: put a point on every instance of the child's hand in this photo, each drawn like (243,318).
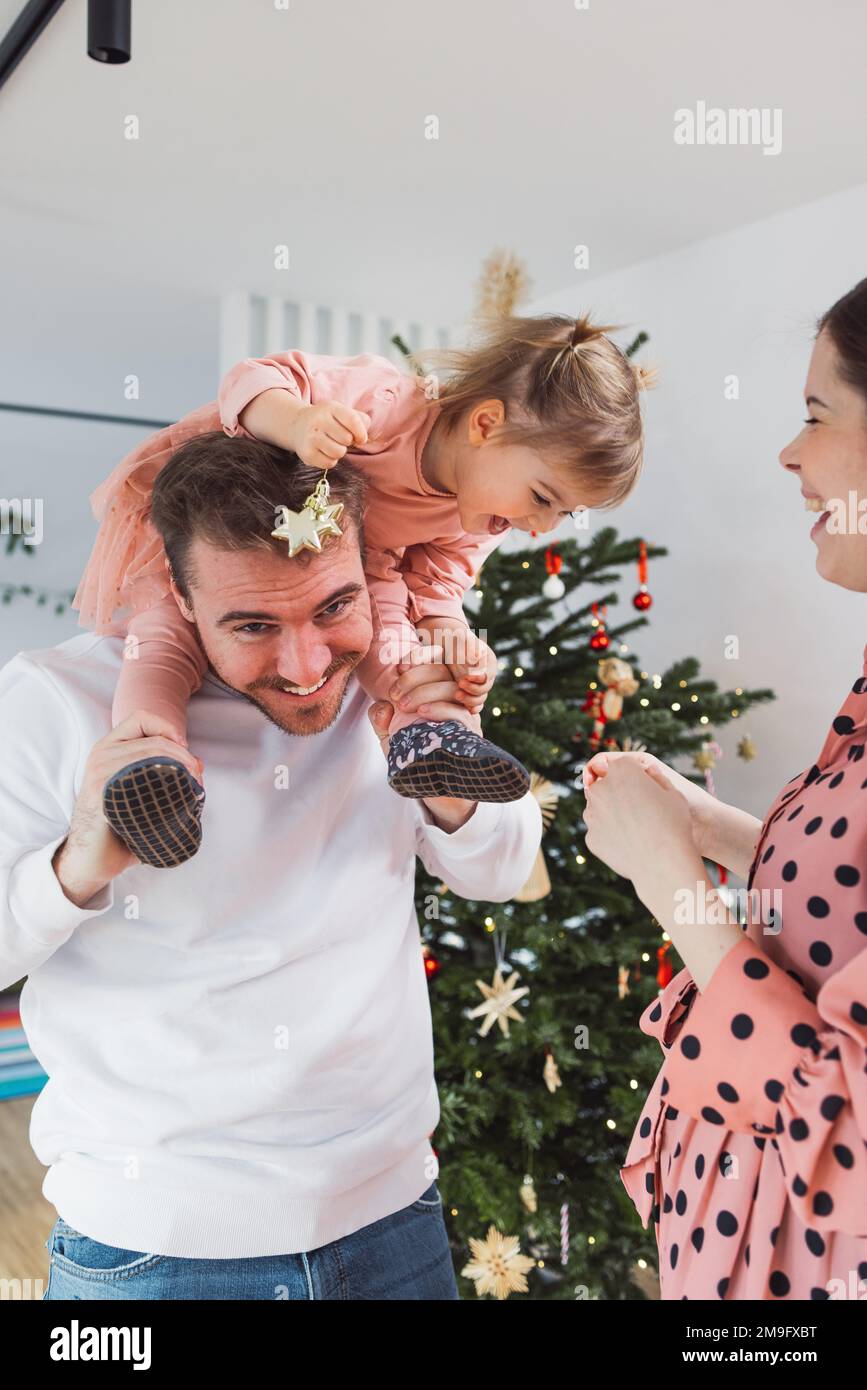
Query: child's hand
(470,661)
(475,674)
(322,433)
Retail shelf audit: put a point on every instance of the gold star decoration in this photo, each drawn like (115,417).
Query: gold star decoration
(497,1267)
(499,1000)
(704,760)
(304,530)
(747,749)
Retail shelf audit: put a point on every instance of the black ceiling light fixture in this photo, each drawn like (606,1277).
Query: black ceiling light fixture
(109,27)
(23,32)
(108,30)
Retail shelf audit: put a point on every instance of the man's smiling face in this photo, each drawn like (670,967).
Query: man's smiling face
(267,622)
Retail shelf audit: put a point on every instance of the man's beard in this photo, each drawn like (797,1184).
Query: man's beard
(347,659)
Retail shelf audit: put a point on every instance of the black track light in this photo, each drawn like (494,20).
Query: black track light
(108,30)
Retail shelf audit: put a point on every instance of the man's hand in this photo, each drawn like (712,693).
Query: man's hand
(92,855)
(449,812)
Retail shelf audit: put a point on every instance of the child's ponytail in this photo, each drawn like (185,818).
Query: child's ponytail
(568,390)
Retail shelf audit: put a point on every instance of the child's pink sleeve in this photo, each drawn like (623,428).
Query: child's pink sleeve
(366,382)
(754,1054)
(438,575)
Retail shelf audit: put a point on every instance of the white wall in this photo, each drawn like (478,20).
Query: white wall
(741,561)
(73,349)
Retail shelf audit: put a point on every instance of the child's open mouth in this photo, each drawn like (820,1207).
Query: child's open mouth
(498,524)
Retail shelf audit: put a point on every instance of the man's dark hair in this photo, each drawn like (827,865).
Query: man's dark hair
(228,491)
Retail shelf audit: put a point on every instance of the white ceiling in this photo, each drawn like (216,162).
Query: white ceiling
(306,127)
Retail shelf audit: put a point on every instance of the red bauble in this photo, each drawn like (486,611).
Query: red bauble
(600,640)
(642,600)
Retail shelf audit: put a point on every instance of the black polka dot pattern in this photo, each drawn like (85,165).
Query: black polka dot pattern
(761,1151)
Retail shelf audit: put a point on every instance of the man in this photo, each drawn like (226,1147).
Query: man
(241,1086)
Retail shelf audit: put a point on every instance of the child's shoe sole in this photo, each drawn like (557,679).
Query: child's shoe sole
(463,765)
(155,807)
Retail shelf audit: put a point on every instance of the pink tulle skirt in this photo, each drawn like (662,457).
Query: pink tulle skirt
(126,572)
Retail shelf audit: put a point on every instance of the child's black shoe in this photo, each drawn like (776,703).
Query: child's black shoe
(429,759)
(155,807)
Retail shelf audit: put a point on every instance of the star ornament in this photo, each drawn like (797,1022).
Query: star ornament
(306,529)
(498,1268)
(500,998)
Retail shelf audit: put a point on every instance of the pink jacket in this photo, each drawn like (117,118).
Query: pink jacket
(420,562)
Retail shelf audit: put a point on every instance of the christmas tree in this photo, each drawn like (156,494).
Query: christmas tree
(537,1110)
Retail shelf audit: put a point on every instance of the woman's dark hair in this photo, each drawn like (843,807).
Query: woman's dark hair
(846,324)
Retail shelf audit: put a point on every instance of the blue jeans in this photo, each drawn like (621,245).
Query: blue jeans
(403,1256)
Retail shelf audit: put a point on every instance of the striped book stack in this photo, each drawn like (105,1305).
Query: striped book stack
(20,1073)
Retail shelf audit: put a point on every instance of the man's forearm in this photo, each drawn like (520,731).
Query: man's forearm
(78,885)
(271,416)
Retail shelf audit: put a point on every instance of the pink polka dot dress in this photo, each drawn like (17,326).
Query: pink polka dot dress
(750,1156)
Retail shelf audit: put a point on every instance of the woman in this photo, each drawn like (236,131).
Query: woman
(750,1155)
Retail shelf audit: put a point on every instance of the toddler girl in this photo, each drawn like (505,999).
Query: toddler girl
(541,416)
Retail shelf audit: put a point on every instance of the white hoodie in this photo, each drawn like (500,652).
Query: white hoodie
(239,1050)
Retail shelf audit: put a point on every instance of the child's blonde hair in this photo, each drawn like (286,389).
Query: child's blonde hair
(579,390)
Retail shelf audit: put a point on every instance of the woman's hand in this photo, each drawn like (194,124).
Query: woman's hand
(720,832)
(635,817)
(640,824)
(320,434)
(700,802)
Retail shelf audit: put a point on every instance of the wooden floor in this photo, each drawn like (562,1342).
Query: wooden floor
(25,1217)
